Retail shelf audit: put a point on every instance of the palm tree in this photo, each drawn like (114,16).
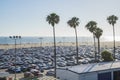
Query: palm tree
(98,34)
(112,20)
(91,26)
(74,22)
(53,19)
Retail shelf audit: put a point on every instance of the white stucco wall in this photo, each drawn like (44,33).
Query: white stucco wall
(88,76)
(67,75)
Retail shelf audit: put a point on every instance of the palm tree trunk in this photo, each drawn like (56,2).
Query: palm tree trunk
(98,48)
(76,45)
(95,47)
(54,51)
(114,40)
(15,59)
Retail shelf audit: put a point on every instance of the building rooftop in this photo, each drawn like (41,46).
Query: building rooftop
(93,67)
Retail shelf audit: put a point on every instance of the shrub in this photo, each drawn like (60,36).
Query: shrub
(107,56)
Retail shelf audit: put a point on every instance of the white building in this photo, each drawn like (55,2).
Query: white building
(4,75)
(95,71)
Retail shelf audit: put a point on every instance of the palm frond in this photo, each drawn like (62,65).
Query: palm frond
(53,19)
(98,32)
(74,22)
(91,26)
(112,19)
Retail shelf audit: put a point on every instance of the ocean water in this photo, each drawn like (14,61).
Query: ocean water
(7,40)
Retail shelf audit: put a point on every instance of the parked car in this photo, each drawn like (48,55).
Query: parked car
(50,73)
(12,69)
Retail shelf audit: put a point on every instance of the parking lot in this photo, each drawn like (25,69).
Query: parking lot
(20,76)
(40,60)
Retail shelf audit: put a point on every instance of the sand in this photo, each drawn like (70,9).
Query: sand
(11,46)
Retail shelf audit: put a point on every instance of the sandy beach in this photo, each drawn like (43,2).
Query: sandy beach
(10,46)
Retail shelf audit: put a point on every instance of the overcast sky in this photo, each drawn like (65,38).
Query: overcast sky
(28,17)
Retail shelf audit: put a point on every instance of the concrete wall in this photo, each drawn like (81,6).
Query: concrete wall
(67,75)
(88,76)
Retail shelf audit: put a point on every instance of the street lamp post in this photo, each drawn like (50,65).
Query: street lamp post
(20,42)
(15,38)
(64,41)
(41,41)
